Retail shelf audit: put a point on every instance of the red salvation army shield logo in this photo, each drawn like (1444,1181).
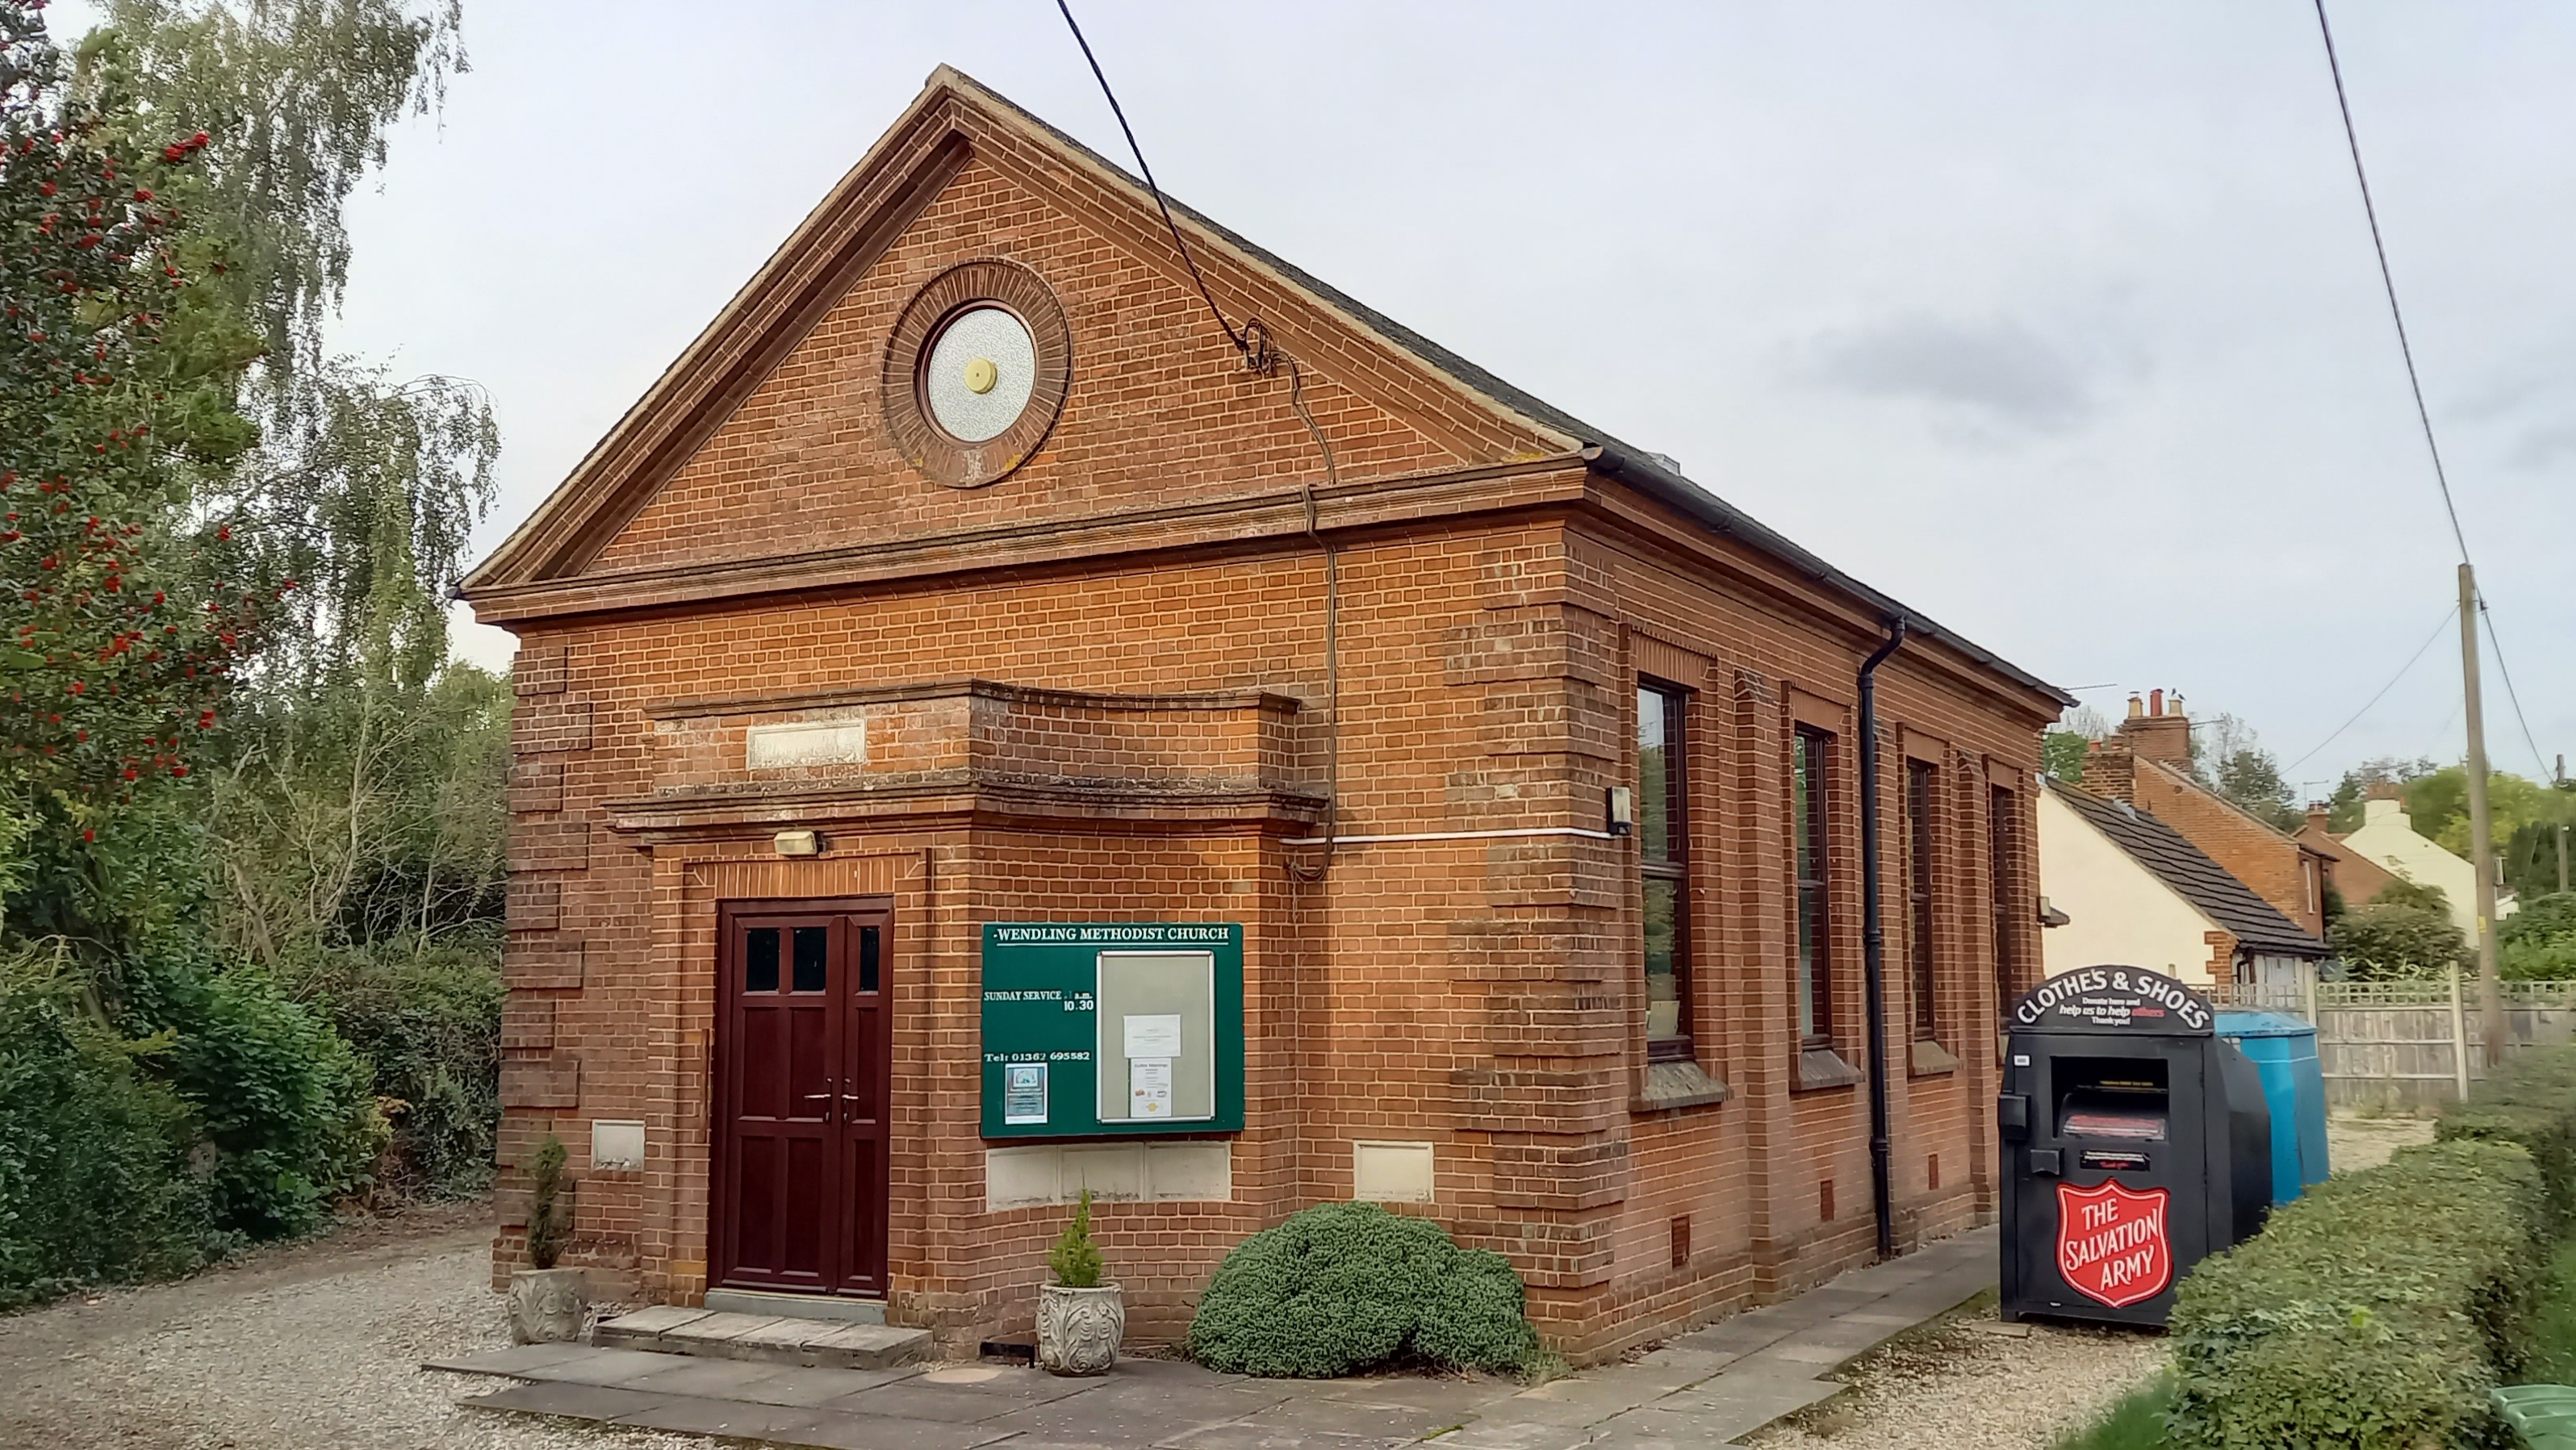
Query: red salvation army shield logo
(2111,1243)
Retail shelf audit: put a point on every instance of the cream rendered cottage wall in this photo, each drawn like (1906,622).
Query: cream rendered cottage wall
(2118,911)
(2388,839)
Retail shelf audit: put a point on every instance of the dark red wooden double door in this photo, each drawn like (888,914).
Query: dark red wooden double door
(802,1038)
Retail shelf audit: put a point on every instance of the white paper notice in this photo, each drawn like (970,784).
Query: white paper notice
(1158,1036)
(1149,1084)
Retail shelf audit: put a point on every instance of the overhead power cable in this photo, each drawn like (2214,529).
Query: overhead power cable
(2488,617)
(2388,281)
(2444,623)
(1243,341)
(1252,340)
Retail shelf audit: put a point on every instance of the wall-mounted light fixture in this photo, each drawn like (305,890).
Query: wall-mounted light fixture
(798,843)
(1622,809)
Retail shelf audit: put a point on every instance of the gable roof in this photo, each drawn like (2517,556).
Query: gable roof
(773,299)
(2190,782)
(2190,874)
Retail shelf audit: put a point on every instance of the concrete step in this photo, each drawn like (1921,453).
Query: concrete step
(765,1338)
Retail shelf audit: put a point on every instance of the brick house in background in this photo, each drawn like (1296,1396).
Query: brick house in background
(962,573)
(2351,875)
(2147,762)
(2128,887)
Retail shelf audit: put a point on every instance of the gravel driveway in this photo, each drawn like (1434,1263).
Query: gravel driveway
(307,1348)
(1958,1385)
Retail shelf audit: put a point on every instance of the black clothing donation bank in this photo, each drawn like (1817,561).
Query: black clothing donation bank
(2136,1144)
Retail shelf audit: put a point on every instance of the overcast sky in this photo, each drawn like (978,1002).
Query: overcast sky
(2058,322)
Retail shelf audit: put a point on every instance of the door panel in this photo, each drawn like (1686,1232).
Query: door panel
(799,1160)
(863,1128)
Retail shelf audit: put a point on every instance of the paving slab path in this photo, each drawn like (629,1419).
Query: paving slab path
(1708,1387)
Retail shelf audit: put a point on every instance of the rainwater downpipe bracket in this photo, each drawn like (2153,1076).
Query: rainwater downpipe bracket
(1873,941)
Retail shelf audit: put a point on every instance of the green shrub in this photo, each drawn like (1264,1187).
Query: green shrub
(2553,1332)
(1075,1258)
(94,1182)
(2538,943)
(2528,1099)
(2376,1311)
(284,1102)
(1345,1286)
(428,1022)
(2394,940)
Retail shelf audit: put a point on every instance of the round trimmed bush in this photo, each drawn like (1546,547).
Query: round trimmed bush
(1345,1286)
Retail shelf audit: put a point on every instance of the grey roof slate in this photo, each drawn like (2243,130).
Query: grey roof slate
(1652,471)
(2179,864)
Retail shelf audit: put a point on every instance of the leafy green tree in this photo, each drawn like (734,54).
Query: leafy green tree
(179,452)
(2062,754)
(2345,805)
(128,607)
(2438,806)
(2229,758)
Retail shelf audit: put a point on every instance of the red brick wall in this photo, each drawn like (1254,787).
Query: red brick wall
(1482,994)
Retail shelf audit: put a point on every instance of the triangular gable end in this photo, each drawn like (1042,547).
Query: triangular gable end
(965,174)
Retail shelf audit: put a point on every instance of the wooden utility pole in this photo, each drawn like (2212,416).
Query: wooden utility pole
(2481,824)
(2562,828)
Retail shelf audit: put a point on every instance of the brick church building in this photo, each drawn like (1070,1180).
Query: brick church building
(973,745)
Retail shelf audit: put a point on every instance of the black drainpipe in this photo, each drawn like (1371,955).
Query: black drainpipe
(1873,939)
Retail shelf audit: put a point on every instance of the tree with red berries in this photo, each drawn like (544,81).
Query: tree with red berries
(128,609)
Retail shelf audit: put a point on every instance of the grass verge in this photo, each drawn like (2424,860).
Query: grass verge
(2137,1422)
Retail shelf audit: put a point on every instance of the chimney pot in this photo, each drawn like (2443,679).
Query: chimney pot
(2155,702)
(2137,707)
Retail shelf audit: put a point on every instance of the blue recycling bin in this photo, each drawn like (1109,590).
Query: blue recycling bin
(2284,1052)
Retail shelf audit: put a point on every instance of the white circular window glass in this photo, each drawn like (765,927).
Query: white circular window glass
(982,368)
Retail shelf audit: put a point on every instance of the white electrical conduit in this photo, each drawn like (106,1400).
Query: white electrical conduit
(1589,835)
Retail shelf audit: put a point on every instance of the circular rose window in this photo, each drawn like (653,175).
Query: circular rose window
(983,366)
(975,372)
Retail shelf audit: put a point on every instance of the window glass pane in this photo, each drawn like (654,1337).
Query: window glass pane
(1810,902)
(1801,804)
(760,959)
(1663,985)
(1918,813)
(1807,808)
(813,943)
(1654,778)
(870,945)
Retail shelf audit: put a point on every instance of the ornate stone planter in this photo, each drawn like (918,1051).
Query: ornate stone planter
(1079,1329)
(547,1306)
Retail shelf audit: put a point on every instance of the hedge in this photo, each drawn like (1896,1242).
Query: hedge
(2528,1099)
(1346,1286)
(2376,1311)
(2379,1309)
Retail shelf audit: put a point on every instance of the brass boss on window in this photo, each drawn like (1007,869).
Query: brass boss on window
(976,371)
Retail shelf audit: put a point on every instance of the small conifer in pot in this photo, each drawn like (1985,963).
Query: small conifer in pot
(1080,1319)
(548,1304)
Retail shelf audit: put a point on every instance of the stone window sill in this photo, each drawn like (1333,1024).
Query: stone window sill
(1671,1085)
(1931,1059)
(1822,1067)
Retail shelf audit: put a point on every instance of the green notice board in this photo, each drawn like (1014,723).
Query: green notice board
(1104,1029)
